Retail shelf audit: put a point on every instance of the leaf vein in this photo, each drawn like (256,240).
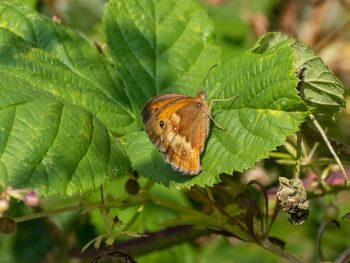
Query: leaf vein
(70,176)
(178,35)
(9,131)
(29,22)
(48,147)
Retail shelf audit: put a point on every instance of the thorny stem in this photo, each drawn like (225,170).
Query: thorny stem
(169,237)
(315,136)
(298,161)
(310,163)
(148,185)
(142,245)
(133,218)
(122,203)
(329,145)
(153,242)
(344,256)
(51,212)
(265,243)
(221,210)
(104,213)
(209,221)
(318,126)
(312,152)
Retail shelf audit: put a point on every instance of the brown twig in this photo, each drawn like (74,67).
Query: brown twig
(143,245)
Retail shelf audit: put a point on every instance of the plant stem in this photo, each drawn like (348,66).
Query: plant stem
(298,157)
(153,242)
(116,203)
(50,213)
(329,145)
(265,243)
(148,186)
(344,256)
(133,218)
(105,213)
(313,135)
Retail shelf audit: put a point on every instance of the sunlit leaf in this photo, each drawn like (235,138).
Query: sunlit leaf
(58,103)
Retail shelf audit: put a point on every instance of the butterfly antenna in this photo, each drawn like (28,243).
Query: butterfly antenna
(206,77)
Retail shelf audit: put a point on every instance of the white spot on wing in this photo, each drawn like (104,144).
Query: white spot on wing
(180,142)
(175,118)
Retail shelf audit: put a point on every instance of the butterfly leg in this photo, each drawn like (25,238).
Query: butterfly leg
(210,106)
(216,124)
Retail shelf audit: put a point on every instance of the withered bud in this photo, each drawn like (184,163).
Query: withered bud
(7,225)
(293,200)
(132,187)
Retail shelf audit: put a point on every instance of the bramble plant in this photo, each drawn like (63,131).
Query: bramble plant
(70,126)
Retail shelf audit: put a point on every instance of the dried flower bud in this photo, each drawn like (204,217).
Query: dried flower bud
(7,225)
(31,199)
(132,187)
(293,200)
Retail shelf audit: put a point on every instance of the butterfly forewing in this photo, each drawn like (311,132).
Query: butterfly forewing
(150,114)
(178,125)
(157,103)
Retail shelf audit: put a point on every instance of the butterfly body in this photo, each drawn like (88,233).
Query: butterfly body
(178,125)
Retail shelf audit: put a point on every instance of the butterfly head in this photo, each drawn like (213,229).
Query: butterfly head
(201,94)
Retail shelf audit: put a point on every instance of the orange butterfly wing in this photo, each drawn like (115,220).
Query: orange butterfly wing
(178,125)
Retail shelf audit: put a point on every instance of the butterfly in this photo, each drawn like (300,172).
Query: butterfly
(179,126)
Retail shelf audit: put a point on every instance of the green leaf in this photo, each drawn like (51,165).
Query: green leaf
(52,146)
(267,110)
(323,90)
(28,3)
(153,43)
(65,65)
(156,44)
(156,47)
(59,98)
